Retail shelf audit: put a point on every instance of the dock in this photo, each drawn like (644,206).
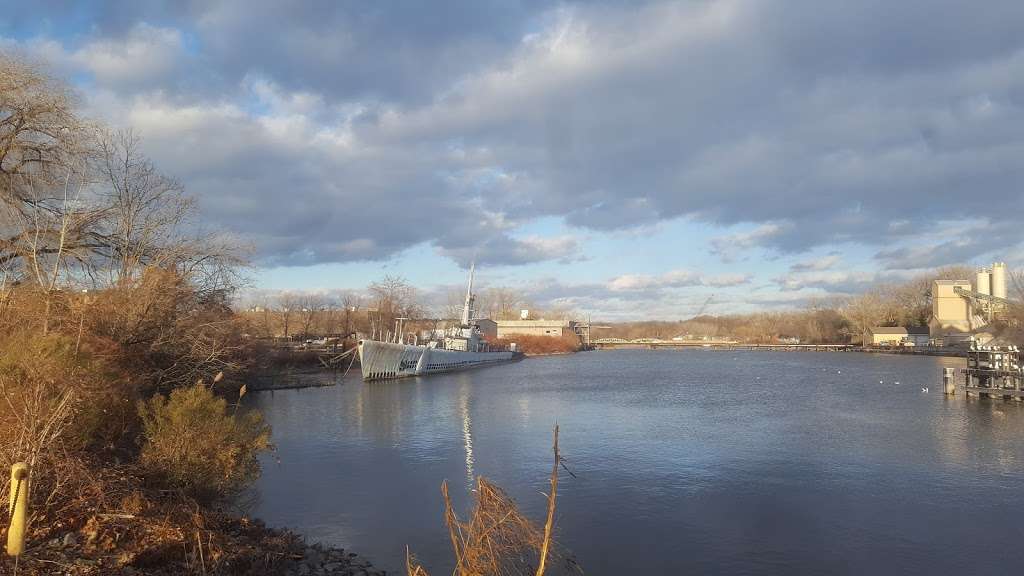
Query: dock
(992,372)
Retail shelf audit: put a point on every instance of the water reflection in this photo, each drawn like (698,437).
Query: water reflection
(756,463)
(467,431)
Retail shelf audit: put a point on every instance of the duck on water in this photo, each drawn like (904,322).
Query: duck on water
(461,348)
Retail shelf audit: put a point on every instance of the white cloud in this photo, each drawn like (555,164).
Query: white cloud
(826,262)
(673,279)
(147,56)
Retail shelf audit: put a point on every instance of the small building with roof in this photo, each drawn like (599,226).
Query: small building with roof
(897,336)
(510,328)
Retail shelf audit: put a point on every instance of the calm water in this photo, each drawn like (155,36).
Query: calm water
(685,461)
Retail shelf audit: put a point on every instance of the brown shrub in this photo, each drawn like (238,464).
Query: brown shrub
(48,384)
(542,344)
(497,539)
(195,444)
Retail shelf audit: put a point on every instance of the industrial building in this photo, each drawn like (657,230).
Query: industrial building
(509,328)
(897,336)
(961,310)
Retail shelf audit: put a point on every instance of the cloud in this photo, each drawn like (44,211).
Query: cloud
(146,57)
(826,262)
(501,250)
(354,132)
(727,247)
(951,243)
(831,281)
(673,279)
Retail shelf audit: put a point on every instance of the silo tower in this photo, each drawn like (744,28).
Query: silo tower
(983,285)
(999,280)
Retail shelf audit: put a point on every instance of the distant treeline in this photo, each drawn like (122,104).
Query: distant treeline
(838,320)
(297,315)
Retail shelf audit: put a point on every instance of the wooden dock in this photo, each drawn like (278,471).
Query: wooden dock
(992,372)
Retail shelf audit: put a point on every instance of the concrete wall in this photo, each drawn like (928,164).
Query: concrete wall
(509,328)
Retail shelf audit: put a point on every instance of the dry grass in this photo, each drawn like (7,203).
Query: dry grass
(497,539)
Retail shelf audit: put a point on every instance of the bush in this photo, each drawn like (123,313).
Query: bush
(193,443)
(531,345)
(54,388)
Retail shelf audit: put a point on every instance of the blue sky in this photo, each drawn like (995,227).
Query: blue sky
(626,159)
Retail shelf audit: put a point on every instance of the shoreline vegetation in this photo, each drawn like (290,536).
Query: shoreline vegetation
(123,360)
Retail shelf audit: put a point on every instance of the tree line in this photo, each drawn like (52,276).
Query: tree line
(373,311)
(832,321)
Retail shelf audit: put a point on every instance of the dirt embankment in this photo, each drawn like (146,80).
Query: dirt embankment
(117,525)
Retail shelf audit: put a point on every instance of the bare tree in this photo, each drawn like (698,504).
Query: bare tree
(40,136)
(44,154)
(394,297)
(288,307)
(352,303)
(501,303)
(146,210)
(311,306)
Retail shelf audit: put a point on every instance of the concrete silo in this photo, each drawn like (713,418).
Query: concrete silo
(999,280)
(983,285)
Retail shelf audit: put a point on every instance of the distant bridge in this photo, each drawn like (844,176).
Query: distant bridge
(646,343)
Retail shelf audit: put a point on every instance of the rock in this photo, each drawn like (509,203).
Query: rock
(69,540)
(313,558)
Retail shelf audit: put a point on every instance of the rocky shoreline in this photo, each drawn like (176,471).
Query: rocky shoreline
(318,560)
(70,555)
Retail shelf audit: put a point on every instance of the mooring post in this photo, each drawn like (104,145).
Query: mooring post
(948,381)
(17,507)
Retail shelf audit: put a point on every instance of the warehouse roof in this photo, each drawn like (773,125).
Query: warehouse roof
(529,323)
(899,330)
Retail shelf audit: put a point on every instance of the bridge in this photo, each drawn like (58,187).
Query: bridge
(652,343)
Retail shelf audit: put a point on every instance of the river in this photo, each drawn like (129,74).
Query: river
(697,461)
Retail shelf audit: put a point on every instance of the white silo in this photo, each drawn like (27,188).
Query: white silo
(999,280)
(983,285)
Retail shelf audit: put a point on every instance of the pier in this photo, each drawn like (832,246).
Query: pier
(992,372)
(614,344)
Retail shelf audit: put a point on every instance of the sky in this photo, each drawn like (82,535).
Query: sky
(628,160)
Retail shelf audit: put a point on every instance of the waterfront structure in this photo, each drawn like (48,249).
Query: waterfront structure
(951,313)
(462,347)
(509,328)
(488,327)
(897,336)
(992,371)
(960,310)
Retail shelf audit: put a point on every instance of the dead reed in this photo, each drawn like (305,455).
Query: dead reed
(497,539)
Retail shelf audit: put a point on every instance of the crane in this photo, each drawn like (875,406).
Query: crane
(700,311)
(703,307)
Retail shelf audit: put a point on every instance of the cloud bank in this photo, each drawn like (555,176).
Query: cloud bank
(338,132)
